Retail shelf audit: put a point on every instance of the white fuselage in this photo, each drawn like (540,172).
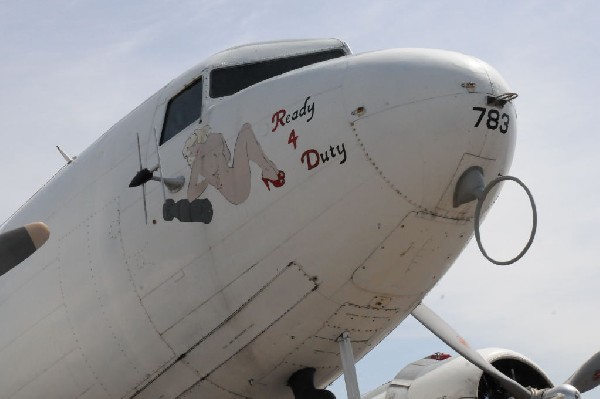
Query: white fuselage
(120,305)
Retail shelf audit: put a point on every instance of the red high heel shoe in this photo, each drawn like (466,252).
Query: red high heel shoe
(277,183)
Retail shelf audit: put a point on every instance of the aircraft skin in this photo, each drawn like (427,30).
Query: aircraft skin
(352,226)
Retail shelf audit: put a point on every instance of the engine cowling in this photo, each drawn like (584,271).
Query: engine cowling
(442,377)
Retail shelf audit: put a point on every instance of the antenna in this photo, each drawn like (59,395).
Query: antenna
(143,185)
(67,158)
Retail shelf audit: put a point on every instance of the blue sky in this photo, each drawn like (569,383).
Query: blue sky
(71,69)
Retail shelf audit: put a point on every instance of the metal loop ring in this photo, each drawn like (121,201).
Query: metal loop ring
(480,201)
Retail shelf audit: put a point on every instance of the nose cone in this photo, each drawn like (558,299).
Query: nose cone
(421,118)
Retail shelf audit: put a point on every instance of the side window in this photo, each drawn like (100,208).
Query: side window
(182,110)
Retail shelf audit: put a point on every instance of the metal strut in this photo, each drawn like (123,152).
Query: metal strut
(348,365)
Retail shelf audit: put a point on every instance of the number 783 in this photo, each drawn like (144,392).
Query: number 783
(494,119)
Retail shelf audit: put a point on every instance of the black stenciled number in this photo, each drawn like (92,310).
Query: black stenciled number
(482,110)
(504,126)
(494,119)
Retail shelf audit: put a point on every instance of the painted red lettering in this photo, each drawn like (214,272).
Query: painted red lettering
(311,158)
(293,138)
(277,119)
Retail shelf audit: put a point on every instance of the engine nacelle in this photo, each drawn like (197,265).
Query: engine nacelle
(443,377)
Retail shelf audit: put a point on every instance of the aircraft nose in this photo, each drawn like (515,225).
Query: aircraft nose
(422,117)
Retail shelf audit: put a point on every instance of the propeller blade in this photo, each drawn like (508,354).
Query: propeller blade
(587,377)
(18,244)
(447,334)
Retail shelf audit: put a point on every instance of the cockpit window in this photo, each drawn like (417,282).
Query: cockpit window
(229,80)
(182,110)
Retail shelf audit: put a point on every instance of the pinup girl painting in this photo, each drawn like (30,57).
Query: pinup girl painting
(210,161)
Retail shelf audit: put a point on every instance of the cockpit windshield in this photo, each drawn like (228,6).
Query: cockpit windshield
(229,80)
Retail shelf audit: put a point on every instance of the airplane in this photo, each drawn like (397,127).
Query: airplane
(258,225)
